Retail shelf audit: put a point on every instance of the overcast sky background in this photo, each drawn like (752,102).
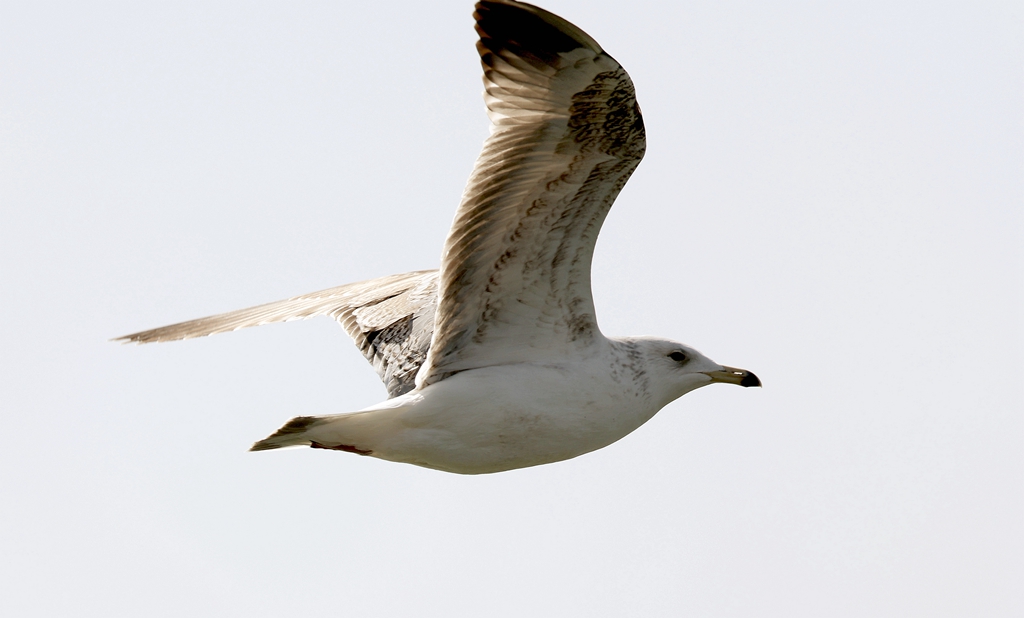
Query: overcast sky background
(832,198)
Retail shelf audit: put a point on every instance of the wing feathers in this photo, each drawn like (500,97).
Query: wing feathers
(514,285)
(566,134)
(391,320)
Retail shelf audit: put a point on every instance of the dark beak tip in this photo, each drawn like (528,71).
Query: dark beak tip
(750,380)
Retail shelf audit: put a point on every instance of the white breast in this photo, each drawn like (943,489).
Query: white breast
(513,416)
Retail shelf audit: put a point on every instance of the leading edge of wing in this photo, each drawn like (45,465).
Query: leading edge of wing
(324,302)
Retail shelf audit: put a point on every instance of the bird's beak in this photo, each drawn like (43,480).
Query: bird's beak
(732,375)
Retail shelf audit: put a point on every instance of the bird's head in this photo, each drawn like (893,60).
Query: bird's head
(675,369)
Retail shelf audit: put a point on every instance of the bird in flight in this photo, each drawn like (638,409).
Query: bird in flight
(495,361)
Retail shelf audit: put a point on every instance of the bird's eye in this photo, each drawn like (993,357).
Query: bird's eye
(678,357)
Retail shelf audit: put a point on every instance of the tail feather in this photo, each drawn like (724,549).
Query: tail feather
(292,433)
(353,432)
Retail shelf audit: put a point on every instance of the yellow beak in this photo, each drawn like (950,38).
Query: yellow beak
(732,375)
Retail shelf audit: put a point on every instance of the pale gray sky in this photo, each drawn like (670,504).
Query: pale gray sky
(832,198)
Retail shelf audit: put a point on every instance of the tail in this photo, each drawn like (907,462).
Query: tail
(359,432)
(293,433)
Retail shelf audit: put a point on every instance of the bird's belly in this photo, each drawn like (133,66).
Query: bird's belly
(501,418)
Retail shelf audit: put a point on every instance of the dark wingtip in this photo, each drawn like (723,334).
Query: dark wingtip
(528,29)
(750,380)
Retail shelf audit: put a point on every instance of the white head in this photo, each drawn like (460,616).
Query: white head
(675,369)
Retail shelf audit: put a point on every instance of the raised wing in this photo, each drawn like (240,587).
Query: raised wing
(566,133)
(391,319)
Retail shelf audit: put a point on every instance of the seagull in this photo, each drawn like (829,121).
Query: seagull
(495,361)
